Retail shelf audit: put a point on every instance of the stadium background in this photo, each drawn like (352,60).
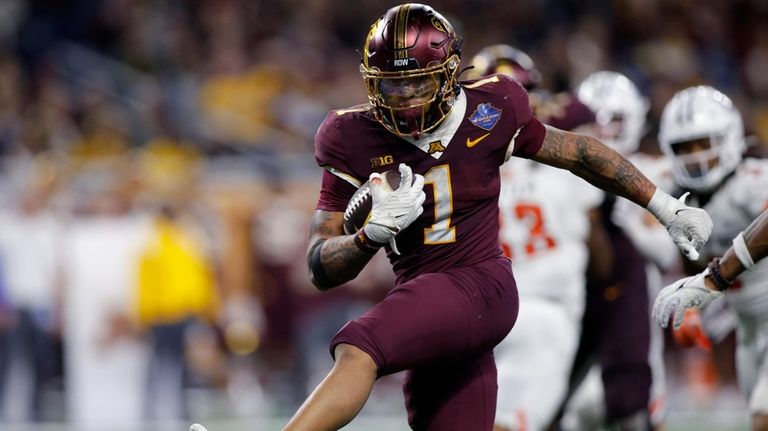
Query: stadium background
(148,140)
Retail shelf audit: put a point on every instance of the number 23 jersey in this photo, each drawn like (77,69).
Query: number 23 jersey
(490,121)
(544,228)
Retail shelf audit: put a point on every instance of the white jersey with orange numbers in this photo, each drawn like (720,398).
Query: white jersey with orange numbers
(544,226)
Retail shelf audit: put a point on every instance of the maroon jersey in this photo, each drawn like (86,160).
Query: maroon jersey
(490,121)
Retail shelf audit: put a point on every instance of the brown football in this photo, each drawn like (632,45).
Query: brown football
(359,206)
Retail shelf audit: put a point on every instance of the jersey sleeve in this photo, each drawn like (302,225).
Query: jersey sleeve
(529,131)
(334,193)
(339,182)
(329,147)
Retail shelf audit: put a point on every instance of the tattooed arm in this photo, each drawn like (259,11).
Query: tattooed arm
(605,168)
(332,257)
(597,163)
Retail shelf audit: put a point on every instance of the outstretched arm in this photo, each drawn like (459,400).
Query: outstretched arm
(700,290)
(597,163)
(748,247)
(605,168)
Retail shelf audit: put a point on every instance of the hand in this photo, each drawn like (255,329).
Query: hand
(394,210)
(197,427)
(689,227)
(689,292)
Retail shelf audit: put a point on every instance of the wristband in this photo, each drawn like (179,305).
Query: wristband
(742,252)
(365,244)
(714,273)
(662,206)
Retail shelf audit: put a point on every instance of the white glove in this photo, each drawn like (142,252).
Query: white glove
(197,427)
(394,210)
(689,227)
(689,292)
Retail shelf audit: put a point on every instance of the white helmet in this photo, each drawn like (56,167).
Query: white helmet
(704,115)
(619,107)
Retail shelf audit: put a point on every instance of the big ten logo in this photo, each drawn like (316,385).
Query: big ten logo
(382,161)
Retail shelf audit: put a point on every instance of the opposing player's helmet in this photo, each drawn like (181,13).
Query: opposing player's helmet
(507,60)
(702,133)
(410,64)
(619,108)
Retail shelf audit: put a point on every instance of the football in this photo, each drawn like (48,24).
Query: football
(359,206)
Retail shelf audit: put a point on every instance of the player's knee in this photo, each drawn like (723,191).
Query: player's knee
(352,357)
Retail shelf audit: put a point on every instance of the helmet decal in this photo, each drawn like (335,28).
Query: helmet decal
(438,25)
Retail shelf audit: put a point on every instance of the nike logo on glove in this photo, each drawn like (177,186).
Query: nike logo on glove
(472,142)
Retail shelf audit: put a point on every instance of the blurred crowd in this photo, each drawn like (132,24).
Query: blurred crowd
(158,179)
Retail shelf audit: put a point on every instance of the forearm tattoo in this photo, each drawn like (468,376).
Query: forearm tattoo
(597,163)
(340,257)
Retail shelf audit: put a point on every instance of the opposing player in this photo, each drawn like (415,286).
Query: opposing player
(701,133)
(455,296)
(632,390)
(749,247)
(549,219)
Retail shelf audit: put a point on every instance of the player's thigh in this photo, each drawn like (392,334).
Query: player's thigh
(534,363)
(437,317)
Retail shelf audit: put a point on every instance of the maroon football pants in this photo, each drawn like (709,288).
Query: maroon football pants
(442,328)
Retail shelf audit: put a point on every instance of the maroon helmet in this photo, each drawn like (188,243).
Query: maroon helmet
(507,60)
(410,62)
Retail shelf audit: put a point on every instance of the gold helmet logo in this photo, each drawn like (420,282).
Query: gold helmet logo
(438,25)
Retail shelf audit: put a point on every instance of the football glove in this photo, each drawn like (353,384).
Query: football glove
(689,292)
(394,210)
(688,226)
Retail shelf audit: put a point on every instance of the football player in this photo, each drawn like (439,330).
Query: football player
(549,219)
(454,297)
(702,135)
(633,390)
